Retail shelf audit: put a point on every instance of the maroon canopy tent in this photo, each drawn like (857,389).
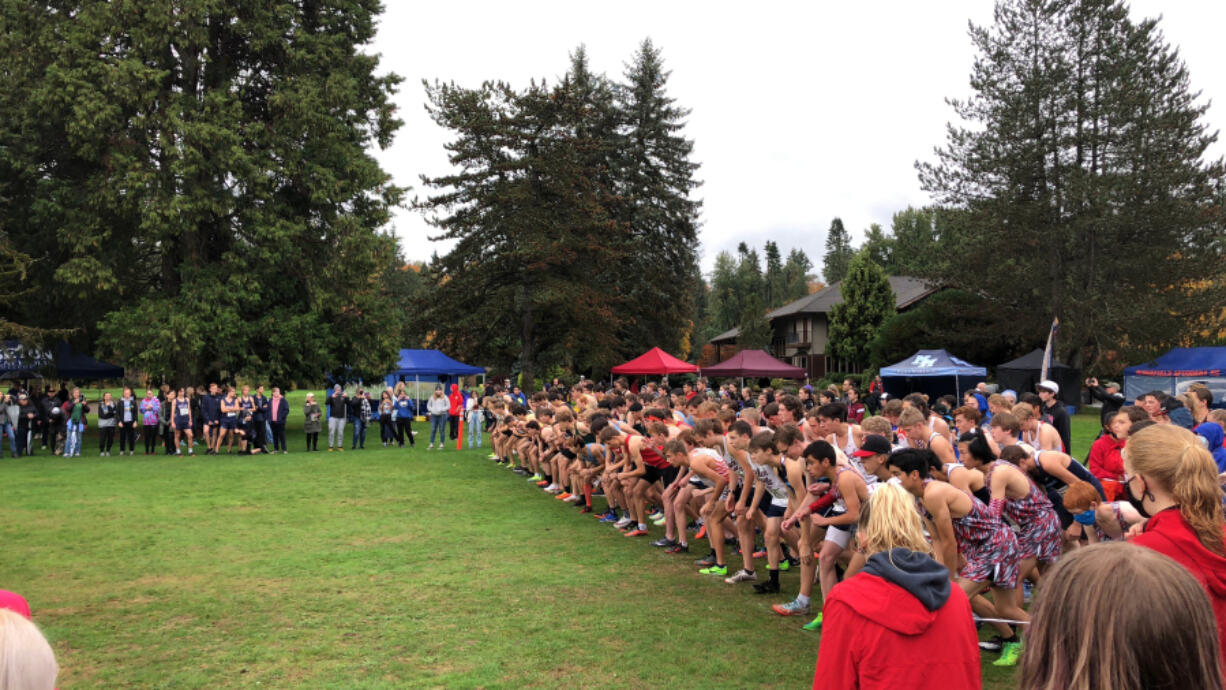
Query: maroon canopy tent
(655,362)
(753,363)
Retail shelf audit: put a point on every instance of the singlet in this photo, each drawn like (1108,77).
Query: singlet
(650,456)
(184,407)
(721,468)
(772,483)
(839,504)
(976,527)
(1033,439)
(1052,484)
(228,403)
(731,462)
(1023,511)
(850,446)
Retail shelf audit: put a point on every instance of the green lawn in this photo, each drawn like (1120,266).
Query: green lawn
(376,568)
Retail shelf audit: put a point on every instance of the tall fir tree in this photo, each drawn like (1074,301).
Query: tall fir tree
(755,330)
(1079,172)
(656,179)
(194,179)
(838,252)
(796,275)
(868,302)
(774,279)
(724,302)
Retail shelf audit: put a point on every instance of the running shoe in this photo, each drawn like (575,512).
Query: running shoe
(542,483)
(562,495)
(623,522)
(792,608)
(741,575)
(573,499)
(707,560)
(702,532)
(679,548)
(609,517)
(1009,653)
(664,542)
(760,553)
(658,523)
(656,515)
(636,533)
(720,570)
(814,625)
(785,564)
(767,587)
(585,509)
(993,645)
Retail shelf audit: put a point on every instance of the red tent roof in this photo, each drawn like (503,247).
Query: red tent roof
(754,363)
(655,361)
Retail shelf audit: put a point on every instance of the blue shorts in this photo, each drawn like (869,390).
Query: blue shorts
(181,423)
(229,423)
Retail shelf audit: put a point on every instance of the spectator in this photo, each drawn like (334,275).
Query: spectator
(1110,618)
(454,410)
(312,417)
(259,415)
(1105,461)
(26,660)
(1213,435)
(359,413)
(1111,398)
(855,409)
(387,419)
(1053,412)
(338,408)
(149,408)
(475,414)
(438,407)
(127,417)
(107,411)
(6,425)
(405,409)
(899,609)
(1173,481)
(166,422)
(1173,411)
(278,410)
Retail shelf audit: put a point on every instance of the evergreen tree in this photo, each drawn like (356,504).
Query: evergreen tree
(868,302)
(724,301)
(750,280)
(775,287)
(195,182)
(1078,185)
(656,178)
(796,275)
(879,245)
(755,333)
(838,252)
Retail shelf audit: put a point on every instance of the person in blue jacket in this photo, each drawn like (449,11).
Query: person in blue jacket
(404,411)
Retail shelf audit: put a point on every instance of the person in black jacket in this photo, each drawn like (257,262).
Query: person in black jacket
(278,410)
(1111,398)
(1054,413)
(127,416)
(338,409)
(27,425)
(107,410)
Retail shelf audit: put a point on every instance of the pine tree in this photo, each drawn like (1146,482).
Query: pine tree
(195,182)
(838,252)
(1077,185)
(755,333)
(879,245)
(796,275)
(868,302)
(724,301)
(775,286)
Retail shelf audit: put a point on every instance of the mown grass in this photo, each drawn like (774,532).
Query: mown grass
(368,569)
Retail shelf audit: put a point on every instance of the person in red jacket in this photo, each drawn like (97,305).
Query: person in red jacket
(456,401)
(1105,461)
(1172,480)
(899,622)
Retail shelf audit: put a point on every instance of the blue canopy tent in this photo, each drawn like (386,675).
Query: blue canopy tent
(428,367)
(63,360)
(934,372)
(1174,371)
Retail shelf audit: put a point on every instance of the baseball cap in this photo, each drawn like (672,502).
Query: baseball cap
(1048,385)
(873,444)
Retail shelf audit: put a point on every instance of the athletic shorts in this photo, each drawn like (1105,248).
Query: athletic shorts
(652,474)
(840,535)
(568,454)
(994,560)
(230,423)
(773,510)
(181,423)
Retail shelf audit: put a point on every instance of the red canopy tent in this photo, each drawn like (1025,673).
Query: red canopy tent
(655,362)
(753,363)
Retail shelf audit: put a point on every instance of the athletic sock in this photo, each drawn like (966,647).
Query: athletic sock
(642,527)
(774,573)
(802,600)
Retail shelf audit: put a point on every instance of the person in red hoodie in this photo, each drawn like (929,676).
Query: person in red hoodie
(1105,461)
(456,401)
(1172,480)
(899,622)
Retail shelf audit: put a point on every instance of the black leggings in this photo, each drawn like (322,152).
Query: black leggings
(387,429)
(278,435)
(127,436)
(151,438)
(313,440)
(404,427)
(106,438)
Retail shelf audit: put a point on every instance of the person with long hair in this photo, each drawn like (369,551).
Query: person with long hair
(1171,479)
(1114,617)
(107,410)
(182,421)
(149,408)
(128,415)
(387,424)
(898,622)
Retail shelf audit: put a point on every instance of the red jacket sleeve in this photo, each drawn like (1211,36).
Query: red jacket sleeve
(836,658)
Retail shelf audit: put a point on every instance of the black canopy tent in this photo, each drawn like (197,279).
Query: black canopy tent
(1023,373)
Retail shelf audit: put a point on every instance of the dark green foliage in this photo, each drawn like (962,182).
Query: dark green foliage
(955,320)
(1078,183)
(575,234)
(796,276)
(838,252)
(756,331)
(868,302)
(194,180)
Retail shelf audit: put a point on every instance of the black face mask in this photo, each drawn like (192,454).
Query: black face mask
(1137,502)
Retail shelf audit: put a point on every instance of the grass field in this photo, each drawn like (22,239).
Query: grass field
(376,568)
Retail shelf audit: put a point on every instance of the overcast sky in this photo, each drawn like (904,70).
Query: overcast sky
(801,111)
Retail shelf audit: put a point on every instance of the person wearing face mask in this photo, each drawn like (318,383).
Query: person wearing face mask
(1171,479)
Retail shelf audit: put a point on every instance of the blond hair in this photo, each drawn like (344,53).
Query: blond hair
(888,520)
(909,417)
(877,425)
(751,415)
(1112,616)
(1174,458)
(1023,412)
(26,660)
